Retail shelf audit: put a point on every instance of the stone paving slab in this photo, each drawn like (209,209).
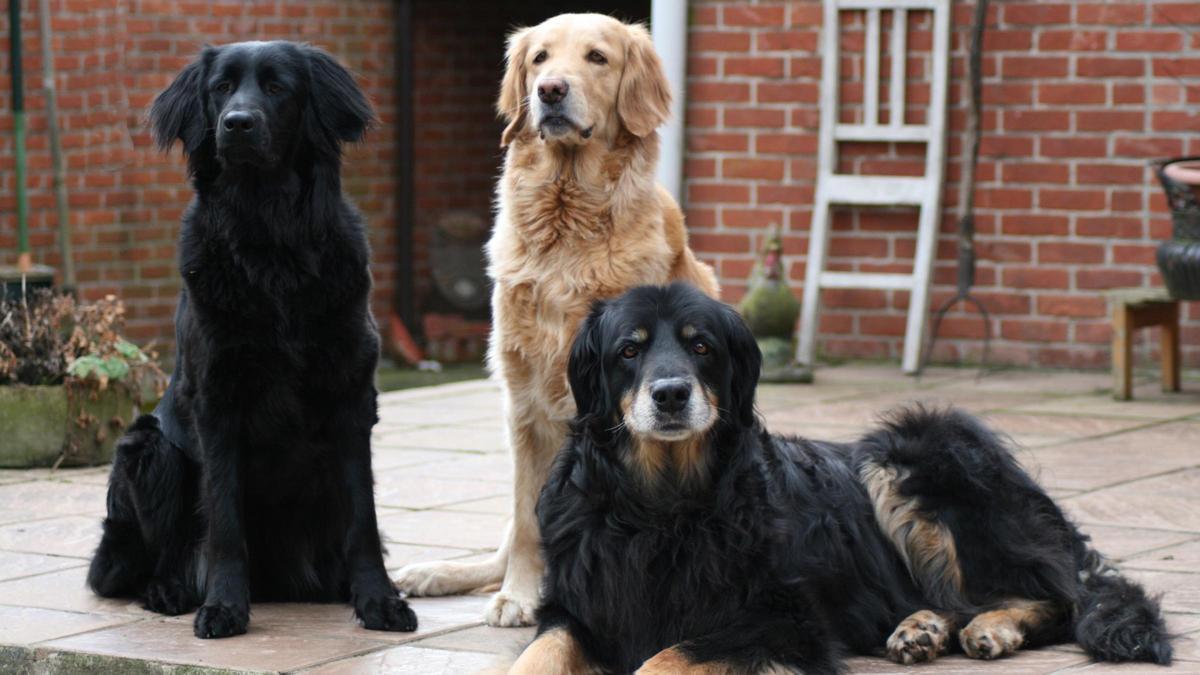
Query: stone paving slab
(1129,473)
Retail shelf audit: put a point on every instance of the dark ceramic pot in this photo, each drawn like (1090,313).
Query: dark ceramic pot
(1179,258)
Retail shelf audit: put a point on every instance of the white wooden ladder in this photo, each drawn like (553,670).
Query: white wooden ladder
(924,192)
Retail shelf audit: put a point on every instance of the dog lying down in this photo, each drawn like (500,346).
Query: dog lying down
(680,536)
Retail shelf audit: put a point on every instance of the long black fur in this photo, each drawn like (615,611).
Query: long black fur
(777,556)
(252,478)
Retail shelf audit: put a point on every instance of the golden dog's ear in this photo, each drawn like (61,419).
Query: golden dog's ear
(513,104)
(644,99)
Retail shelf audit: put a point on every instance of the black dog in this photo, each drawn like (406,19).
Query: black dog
(252,479)
(679,536)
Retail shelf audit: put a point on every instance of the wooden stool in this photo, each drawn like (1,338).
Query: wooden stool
(1134,308)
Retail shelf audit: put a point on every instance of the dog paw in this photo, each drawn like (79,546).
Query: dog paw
(511,609)
(169,596)
(426,579)
(386,613)
(921,637)
(218,621)
(989,638)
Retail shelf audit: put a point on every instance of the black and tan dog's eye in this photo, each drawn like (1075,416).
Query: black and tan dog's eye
(700,347)
(223,87)
(274,88)
(629,352)
(595,56)
(540,56)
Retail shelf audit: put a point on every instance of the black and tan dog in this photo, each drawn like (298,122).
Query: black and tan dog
(680,536)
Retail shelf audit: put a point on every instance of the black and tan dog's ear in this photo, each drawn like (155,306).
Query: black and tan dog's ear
(644,97)
(513,102)
(585,369)
(178,112)
(337,111)
(745,366)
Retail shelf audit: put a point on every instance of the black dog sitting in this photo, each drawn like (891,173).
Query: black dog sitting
(252,478)
(679,536)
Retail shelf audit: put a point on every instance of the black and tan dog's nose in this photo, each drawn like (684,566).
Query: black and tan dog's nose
(238,121)
(671,396)
(552,90)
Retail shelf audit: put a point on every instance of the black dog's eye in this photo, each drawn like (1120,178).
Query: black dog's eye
(540,56)
(700,347)
(629,352)
(223,87)
(596,57)
(274,88)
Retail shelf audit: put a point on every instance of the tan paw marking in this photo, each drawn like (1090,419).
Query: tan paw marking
(991,635)
(921,637)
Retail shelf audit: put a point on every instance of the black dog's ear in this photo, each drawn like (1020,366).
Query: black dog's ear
(178,112)
(745,360)
(338,111)
(585,370)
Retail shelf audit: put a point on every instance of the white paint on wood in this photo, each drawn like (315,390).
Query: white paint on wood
(925,191)
(668,28)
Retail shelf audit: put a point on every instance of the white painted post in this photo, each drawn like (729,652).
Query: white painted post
(669,28)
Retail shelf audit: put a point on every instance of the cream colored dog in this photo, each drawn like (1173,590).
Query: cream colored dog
(580,218)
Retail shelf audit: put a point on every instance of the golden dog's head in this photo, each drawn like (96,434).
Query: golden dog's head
(580,77)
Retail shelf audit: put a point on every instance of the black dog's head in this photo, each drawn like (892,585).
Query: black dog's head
(260,104)
(666,362)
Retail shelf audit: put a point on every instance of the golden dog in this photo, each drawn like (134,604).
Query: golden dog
(580,218)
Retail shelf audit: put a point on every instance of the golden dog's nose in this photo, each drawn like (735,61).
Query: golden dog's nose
(552,90)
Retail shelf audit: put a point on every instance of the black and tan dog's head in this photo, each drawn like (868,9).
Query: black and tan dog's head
(665,365)
(260,105)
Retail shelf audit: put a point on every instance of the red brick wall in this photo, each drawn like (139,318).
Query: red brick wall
(112,57)
(1078,97)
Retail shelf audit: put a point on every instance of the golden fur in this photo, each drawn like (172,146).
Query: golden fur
(579,218)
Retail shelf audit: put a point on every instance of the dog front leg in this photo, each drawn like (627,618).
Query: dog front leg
(226,608)
(376,602)
(535,440)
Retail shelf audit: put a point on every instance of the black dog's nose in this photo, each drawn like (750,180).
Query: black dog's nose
(238,120)
(552,90)
(671,395)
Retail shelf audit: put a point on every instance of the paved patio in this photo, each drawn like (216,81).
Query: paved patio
(1128,472)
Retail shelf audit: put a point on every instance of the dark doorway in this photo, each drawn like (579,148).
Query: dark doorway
(454,64)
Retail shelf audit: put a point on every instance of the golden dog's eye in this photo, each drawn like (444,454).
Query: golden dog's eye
(629,351)
(274,88)
(540,56)
(700,347)
(223,87)
(596,57)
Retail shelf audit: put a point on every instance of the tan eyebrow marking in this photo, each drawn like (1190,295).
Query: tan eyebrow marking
(641,335)
(688,332)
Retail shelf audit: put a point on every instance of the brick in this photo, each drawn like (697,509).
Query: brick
(1030,172)
(1069,252)
(1074,93)
(1033,331)
(755,117)
(767,169)
(1130,146)
(751,218)
(699,193)
(1115,227)
(1037,13)
(1109,174)
(1110,120)
(1106,66)
(1110,14)
(1175,13)
(786,143)
(1175,120)
(1073,146)
(1072,306)
(792,92)
(743,15)
(708,142)
(715,92)
(754,66)
(718,41)
(1035,224)
(1035,277)
(719,243)
(1072,40)
(790,41)
(1035,66)
(1078,200)
(1149,41)
(1037,120)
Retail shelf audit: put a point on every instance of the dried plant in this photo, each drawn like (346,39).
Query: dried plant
(49,338)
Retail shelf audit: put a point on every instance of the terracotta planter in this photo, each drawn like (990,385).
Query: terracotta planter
(38,425)
(1179,258)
